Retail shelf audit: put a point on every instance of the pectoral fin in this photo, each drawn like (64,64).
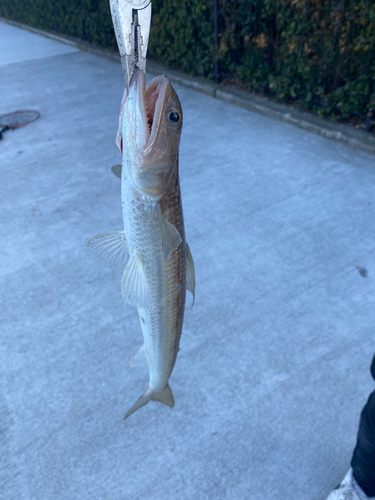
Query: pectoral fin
(170,237)
(112,246)
(190,273)
(117,169)
(165,397)
(134,287)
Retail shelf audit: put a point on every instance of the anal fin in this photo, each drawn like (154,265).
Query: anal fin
(140,359)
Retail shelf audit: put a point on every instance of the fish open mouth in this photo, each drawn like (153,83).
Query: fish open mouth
(151,99)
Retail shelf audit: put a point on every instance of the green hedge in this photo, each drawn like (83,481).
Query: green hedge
(317,54)
(86,19)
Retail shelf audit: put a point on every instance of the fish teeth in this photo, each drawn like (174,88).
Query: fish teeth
(148,118)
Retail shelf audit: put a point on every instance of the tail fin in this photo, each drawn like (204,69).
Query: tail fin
(165,397)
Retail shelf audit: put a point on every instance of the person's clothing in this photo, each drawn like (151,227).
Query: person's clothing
(359,482)
(348,490)
(363,461)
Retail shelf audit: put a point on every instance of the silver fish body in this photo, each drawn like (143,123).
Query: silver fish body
(159,266)
(161,322)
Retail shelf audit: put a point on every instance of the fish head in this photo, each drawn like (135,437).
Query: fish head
(149,132)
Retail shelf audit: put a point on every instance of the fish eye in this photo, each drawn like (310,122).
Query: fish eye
(173,117)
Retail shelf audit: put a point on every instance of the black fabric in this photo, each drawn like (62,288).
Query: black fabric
(363,461)
(372,369)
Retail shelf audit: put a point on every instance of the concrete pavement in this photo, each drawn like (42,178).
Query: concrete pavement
(273,368)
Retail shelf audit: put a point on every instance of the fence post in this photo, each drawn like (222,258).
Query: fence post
(371,111)
(84,21)
(216,27)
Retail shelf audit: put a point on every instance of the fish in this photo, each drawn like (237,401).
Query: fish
(152,251)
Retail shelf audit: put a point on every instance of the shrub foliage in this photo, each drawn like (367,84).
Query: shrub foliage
(317,54)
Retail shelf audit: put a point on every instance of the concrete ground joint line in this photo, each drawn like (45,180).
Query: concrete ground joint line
(329,130)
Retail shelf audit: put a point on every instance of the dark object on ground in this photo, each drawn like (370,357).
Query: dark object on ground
(17,119)
(363,461)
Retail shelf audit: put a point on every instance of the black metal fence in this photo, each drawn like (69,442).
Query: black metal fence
(318,55)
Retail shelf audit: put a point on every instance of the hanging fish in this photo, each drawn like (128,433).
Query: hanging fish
(159,266)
